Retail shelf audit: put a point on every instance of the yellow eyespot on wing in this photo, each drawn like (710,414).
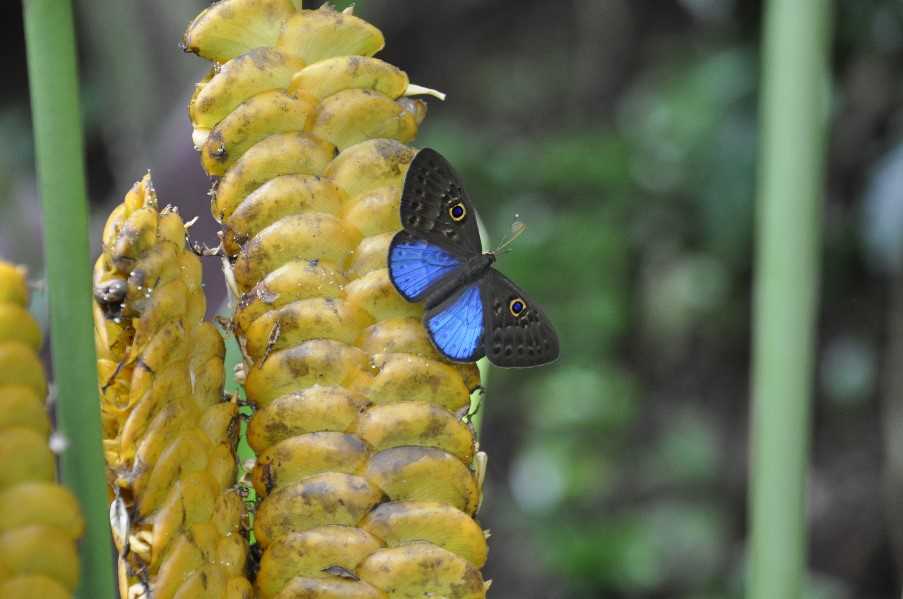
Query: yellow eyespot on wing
(457,212)
(517,306)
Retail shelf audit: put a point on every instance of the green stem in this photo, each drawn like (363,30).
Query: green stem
(793,114)
(50,41)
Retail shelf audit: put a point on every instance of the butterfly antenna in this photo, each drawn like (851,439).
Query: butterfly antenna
(517,230)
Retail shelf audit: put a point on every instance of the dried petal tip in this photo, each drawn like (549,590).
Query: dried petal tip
(418,90)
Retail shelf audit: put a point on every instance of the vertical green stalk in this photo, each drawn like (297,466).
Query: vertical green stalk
(793,115)
(50,42)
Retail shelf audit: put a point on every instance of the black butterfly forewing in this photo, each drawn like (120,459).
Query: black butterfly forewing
(431,190)
(521,341)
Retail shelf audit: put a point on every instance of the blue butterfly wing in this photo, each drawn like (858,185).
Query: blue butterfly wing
(456,325)
(416,265)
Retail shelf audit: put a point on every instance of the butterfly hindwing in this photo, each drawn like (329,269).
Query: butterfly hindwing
(435,207)
(517,332)
(416,265)
(456,325)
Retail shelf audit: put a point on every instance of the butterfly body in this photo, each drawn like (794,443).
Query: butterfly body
(471,309)
(469,272)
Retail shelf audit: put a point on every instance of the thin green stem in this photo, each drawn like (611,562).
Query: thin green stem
(50,41)
(477,397)
(793,115)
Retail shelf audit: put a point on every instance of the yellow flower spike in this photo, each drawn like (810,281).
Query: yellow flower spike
(354,406)
(40,521)
(168,438)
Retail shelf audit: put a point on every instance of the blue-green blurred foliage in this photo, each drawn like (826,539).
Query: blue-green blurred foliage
(620,471)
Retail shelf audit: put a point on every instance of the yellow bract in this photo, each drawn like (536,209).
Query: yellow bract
(13,286)
(41,502)
(233,27)
(316,35)
(278,154)
(312,410)
(320,500)
(19,365)
(259,70)
(420,569)
(416,423)
(329,588)
(260,116)
(311,554)
(400,523)
(33,587)
(302,456)
(279,197)
(355,115)
(16,324)
(330,76)
(21,406)
(42,550)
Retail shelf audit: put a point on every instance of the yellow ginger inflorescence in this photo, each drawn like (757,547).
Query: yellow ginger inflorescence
(169,435)
(365,463)
(40,520)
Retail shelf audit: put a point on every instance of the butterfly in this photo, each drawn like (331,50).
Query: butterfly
(472,309)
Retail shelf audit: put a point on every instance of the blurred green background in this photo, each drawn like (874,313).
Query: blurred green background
(623,132)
